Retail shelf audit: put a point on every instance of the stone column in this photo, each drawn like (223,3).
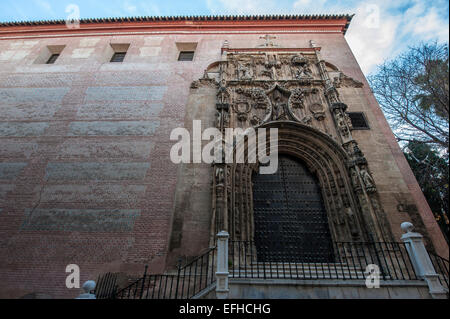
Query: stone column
(222,273)
(421,261)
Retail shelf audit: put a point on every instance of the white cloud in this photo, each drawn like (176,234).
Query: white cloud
(306,5)
(44,5)
(242,6)
(130,8)
(427,25)
(380,29)
(371,36)
(149,8)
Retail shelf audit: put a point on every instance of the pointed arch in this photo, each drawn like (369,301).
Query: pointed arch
(324,158)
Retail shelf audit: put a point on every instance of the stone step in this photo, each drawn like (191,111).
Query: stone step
(312,266)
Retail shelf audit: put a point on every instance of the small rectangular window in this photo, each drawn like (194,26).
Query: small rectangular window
(118,57)
(53,58)
(186,56)
(358,120)
(49,54)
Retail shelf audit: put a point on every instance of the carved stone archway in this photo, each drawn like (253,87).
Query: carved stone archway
(324,158)
(294,91)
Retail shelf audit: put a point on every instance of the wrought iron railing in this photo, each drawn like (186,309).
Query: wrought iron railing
(343,261)
(441,265)
(187,282)
(346,260)
(106,286)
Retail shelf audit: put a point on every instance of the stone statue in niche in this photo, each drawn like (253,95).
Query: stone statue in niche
(245,71)
(351,221)
(218,119)
(301,68)
(220,177)
(354,177)
(340,219)
(337,82)
(367,179)
(341,123)
(279,106)
(222,94)
(226,119)
(357,151)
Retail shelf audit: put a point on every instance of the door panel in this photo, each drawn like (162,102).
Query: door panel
(290,219)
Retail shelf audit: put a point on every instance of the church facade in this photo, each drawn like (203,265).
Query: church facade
(85,123)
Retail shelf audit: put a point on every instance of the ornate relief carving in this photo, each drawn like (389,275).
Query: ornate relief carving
(318,111)
(296,99)
(293,91)
(279,99)
(367,179)
(301,68)
(245,71)
(345,81)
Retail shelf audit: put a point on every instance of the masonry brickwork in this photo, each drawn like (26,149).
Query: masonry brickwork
(85,172)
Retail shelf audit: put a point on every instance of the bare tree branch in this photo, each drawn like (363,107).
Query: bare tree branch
(413,91)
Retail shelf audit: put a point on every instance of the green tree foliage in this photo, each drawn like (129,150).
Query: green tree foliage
(431,172)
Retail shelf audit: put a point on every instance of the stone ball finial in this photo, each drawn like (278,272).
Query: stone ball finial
(88,286)
(223,234)
(407,227)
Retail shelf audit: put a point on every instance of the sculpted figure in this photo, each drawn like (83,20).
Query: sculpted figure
(278,106)
(354,177)
(245,72)
(226,119)
(351,220)
(341,123)
(218,119)
(303,71)
(367,179)
(220,177)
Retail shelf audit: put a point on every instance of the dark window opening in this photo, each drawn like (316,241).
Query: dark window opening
(358,120)
(118,57)
(186,56)
(52,58)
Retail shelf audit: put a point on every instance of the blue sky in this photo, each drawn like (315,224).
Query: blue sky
(380,29)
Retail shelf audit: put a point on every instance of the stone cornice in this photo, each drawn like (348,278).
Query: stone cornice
(135,25)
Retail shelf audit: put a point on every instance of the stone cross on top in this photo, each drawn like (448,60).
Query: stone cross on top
(268,39)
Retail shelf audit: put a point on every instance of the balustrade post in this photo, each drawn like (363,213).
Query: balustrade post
(222,273)
(421,261)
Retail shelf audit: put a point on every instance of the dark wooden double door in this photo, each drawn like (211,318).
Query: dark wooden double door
(291,223)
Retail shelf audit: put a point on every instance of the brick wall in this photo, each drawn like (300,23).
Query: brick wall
(85,175)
